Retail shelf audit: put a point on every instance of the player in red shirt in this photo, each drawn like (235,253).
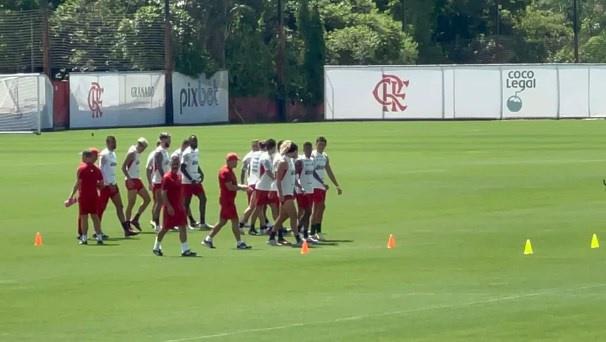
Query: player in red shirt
(175,215)
(228,184)
(88,181)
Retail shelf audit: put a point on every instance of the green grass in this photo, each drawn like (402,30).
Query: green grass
(461,198)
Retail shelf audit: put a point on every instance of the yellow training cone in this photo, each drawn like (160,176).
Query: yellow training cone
(391,242)
(528,248)
(594,242)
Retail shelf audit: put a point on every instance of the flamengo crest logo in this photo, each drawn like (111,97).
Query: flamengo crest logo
(390,92)
(94,99)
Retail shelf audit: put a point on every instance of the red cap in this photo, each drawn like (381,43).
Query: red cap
(94,150)
(232,156)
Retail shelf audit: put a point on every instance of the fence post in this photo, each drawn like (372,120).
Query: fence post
(168,65)
(46,65)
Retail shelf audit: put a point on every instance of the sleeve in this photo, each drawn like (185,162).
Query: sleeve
(165,183)
(99,174)
(185,158)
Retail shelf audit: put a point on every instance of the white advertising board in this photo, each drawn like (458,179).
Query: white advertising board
(200,100)
(116,99)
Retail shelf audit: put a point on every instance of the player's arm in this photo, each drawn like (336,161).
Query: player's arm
(299,171)
(201,174)
(280,174)
(127,162)
(164,198)
(332,177)
(245,170)
(158,163)
(76,186)
(317,177)
(269,169)
(148,172)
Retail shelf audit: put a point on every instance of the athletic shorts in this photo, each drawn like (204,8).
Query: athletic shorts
(190,190)
(177,220)
(228,212)
(288,198)
(262,197)
(273,198)
(134,184)
(319,196)
(155,188)
(107,192)
(88,205)
(305,201)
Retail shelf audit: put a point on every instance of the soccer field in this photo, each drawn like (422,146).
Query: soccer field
(460,197)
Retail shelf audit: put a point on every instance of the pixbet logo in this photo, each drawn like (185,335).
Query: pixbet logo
(94,99)
(390,92)
(198,96)
(520,80)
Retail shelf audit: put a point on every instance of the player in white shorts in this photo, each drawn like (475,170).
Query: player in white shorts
(192,178)
(160,165)
(286,182)
(322,168)
(107,164)
(249,176)
(263,187)
(134,185)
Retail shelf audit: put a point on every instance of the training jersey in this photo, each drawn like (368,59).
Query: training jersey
(150,159)
(88,175)
(320,161)
(133,168)
(107,164)
(190,158)
(306,177)
(226,196)
(171,183)
(158,174)
(288,182)
(265,164)
(252,160)
(275,161)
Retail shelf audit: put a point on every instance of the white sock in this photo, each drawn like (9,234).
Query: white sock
(184,247)
(240,242)
(157,244)
(208,238)
(83,237)
(100,237)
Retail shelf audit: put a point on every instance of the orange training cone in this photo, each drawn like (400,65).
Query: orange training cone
(38,240)
(391,242)
(304,248)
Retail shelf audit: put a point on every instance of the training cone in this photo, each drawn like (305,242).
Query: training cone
(304,248)
(595,243)
(528,248)
(38,240)
(391,242)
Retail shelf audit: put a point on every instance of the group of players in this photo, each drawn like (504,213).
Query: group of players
(273,174)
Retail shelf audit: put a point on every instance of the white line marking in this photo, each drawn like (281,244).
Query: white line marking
(392,313)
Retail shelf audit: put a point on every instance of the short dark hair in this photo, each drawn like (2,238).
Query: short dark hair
(293,148)
(164,135)
(307,144)
(270,143)
(321,139)
(110,137)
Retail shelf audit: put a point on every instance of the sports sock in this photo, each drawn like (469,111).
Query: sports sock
(280,234)
(319,228)
(208,238)
(192,219)
(241,224)
(314,229)
(136,218)
(184,247)
(157,244)
(272,236)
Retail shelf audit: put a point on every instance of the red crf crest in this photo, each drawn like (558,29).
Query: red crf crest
(94,99)
(390,93)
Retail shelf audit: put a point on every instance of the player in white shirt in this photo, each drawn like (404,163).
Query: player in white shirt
(160,165)
(286,182)
(110,190)
(263,187)
(249,176)
(179,152)
(305,173)
(134,185)
(192,178)
(322,168)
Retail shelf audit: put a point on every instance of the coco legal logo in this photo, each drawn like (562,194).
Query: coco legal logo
(519,81)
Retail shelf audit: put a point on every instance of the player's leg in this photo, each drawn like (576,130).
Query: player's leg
(156,207)
(97,227)
(185,251)
(235,228)
(117,201)
(104,196)
(202,208)
(318,213)
(158,242)
(187,201)
(146,200)
(84,228)
(277,228)
(131,198)
(208,240)
(291,210)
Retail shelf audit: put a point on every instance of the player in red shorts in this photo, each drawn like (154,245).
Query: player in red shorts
(228,184)
(107,163)
(286,182)
(305,173)
(160,166)
(322,167)
(95,154)
(88,180)
(134,185)
(192,182)
(173,210)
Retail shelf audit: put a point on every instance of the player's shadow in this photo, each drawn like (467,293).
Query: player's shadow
(337,241)
(105,244)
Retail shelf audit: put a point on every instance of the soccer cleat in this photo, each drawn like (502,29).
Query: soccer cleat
(318,237)
(273,242)
(157,252)
(188,253)
(283,241)
(312,241)
(137,225)
(83,242)
(243,245)
(103,236)
(99,242)
(253,231)
(128,233)
(208,243)
(153,225)
(205,226)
